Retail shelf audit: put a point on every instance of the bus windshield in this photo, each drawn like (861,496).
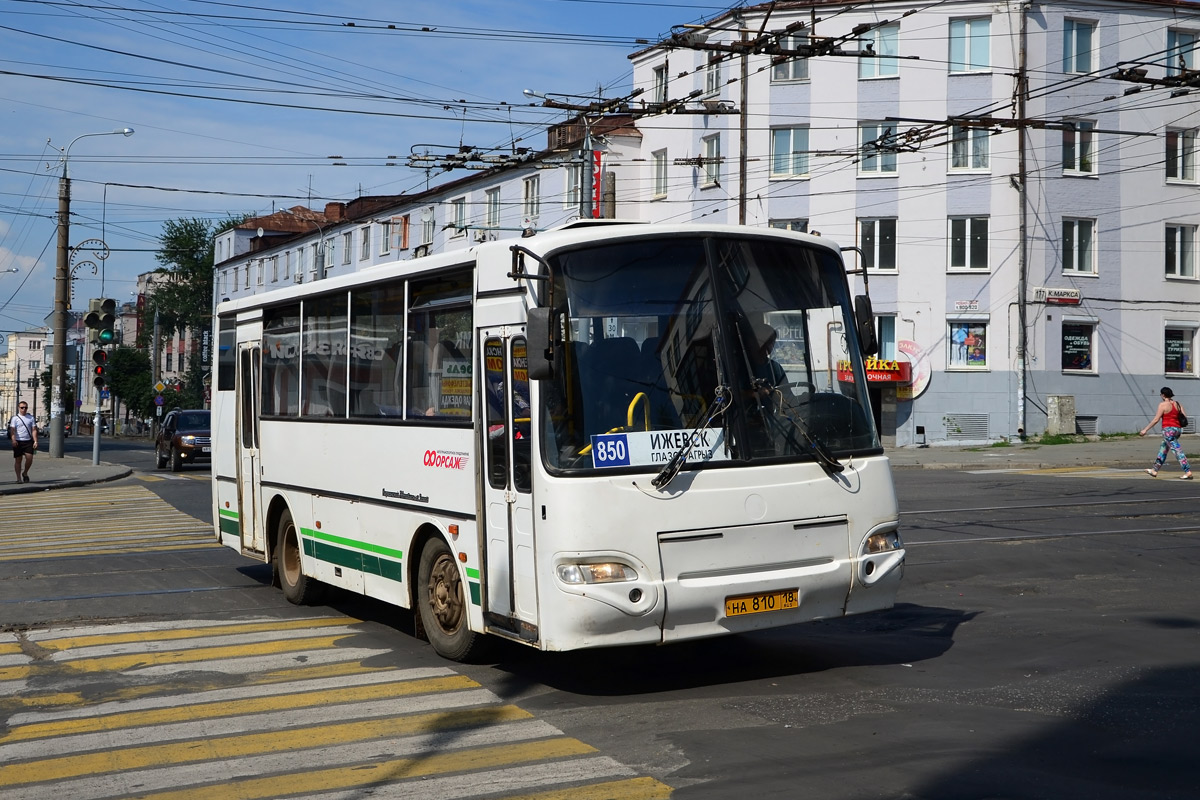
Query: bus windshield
(742,347)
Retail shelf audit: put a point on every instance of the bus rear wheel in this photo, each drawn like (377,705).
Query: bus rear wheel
(297,587)
(442,604)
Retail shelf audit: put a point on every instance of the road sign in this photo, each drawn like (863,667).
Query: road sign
(158,400)
(158,387)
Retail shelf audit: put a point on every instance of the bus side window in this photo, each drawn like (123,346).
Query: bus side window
(495,383)
(522,441)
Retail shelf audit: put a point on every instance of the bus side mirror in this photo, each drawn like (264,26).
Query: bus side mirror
(864,317)
(540,343)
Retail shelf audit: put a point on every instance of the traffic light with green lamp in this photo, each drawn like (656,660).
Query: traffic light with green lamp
(101,321)
(100,370)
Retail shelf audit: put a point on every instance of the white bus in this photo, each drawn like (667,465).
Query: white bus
(577,439)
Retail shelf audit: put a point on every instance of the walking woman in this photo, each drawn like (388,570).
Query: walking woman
(1168,412)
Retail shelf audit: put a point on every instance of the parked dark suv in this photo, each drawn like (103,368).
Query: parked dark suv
(183,439)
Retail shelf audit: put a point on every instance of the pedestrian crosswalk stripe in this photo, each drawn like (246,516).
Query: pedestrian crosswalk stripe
(94,521)
(218,709)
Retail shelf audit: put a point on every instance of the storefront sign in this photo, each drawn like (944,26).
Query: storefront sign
(966,305)
(922,370)
(1059,297)
(878,371)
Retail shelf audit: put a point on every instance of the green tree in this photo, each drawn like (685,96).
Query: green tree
(183,294)
(129,379)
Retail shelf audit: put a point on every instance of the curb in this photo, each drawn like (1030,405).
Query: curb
(68,483)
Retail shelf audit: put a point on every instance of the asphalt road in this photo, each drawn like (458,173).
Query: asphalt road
(1046,644)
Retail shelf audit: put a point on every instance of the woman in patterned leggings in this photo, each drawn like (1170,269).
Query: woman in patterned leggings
(1168,412)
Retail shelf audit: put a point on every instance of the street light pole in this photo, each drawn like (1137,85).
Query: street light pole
(62,298)
(318,268)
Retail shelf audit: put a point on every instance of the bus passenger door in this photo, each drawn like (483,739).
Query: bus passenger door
(507,481)
(249,360)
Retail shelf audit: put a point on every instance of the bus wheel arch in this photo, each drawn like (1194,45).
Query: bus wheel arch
(298,588)
(275,509)
(440,599)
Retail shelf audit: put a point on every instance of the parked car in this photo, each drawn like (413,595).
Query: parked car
(184,438)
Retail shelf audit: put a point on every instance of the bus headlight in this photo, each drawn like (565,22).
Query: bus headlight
(605,572)
(882,554)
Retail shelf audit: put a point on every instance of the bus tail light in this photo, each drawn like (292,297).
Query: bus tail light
(606,572)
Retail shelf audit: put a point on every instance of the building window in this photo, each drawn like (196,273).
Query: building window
(969,243)
(571,195)
(1078,46)
(428,225)
(886,328)
(1181,251)
(400,228)
(170,359)
(531,199)
(274,269)
(287,265)
(969,148)
(247,286)
(1079,147)
(970,44)
(1181,155)
(492,204)
(35,364)
(1079,245)
(712,160)
(797,225)
(968,345)
(877,238)
(35,344)
(883,41)
(793,69)
(317,258)
(789,152)
(329,253)
(659,159)
(385,237)
(712,76)
(364,243)
(659,90)
(347,246)
(877,154)
(458,215)
(1179,347)
(1181,51)
(1078,347)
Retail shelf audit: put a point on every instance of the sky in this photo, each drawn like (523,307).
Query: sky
(255,106)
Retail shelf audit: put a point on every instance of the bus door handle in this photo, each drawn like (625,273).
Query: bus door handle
(510,496)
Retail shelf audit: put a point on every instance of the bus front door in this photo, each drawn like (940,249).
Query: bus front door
(247,449)
(510,581)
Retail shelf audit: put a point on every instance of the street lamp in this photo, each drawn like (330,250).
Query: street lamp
(62,296)
(10,269)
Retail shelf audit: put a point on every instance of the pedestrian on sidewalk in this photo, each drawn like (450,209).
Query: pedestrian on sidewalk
(1169,412)
(22,432)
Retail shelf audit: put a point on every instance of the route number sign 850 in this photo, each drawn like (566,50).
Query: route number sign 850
(610,450)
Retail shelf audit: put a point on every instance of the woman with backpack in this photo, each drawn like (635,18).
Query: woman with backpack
(1173,423)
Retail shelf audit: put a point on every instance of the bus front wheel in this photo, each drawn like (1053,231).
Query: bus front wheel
(297,587)
(442,603)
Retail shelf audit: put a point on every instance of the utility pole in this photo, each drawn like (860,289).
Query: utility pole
(62,298)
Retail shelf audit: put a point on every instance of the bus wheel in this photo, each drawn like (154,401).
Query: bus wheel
(297,587)
(442,603)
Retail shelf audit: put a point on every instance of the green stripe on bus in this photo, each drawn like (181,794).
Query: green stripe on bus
(359,562)
(230,526)
(474,592)
(370,548)
(472,573)
(225,512)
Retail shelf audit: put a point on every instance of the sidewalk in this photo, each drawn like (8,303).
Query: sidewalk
(1132,451)
(57,473)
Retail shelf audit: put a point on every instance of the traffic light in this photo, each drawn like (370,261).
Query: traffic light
(108,321)
(101,321)
(92,320)
(100,371)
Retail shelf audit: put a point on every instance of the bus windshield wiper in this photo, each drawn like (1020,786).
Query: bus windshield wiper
(716,407)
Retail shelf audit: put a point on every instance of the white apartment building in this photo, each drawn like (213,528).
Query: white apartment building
(1026,218)
(21,368)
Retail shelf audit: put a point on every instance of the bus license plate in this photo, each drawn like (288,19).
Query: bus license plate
(758,603)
